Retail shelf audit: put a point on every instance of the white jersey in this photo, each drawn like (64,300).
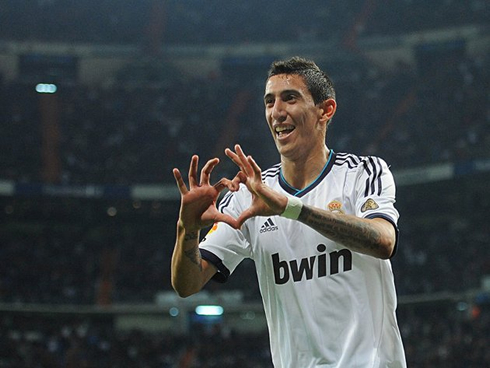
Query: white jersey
(326,306)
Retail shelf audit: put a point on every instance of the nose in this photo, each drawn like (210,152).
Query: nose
(278,111)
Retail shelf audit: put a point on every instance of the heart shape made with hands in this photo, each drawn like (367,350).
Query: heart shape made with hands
(198,203)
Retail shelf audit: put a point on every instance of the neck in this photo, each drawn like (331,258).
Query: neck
(301,173)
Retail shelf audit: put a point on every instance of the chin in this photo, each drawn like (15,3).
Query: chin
(289,153)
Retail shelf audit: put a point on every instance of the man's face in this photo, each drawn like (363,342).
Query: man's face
(293,117)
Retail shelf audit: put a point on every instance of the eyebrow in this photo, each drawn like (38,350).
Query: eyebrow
(285,92)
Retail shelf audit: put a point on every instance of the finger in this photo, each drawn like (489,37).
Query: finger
(221,184)
(234,157)
(240,177)
(246,168)
(232,185)
(180,181)
(207,170)
(238,158)
(193,171)
(244,216)
(224,183)
(256,168)
(240,153)
(227,219)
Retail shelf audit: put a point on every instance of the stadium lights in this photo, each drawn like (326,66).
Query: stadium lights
(174,312)
(209,310)
(46,88)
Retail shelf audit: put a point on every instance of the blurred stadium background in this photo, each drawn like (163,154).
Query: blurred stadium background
(100,99)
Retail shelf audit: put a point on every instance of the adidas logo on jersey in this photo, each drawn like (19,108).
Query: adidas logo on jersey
(268,226)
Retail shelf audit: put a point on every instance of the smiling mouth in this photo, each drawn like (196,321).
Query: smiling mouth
(283,131)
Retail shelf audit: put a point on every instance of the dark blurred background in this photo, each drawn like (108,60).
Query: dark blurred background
(99,100)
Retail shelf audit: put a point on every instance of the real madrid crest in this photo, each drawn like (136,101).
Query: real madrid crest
(335,207)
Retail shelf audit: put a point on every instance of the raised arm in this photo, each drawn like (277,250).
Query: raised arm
(375,237)
(197,210)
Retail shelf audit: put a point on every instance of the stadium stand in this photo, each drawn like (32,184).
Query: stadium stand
(87,217)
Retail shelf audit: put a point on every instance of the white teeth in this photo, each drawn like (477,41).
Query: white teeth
(280,129)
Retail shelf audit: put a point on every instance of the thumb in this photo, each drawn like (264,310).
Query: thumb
(244,216)
(240,177)
(227,219)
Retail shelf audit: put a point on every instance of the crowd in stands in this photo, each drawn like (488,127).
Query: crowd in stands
(389,18)
(84,341)
(90,21)
(118,135)
(451,335)
(54,254)
(211,22)
(443,244)
(136,133)
(129,133)
(445,117)
(73,251)
(173,22)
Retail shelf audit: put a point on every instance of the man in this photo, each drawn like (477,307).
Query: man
(320,227)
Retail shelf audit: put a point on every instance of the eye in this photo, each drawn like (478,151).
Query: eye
(290,97)
(269,101)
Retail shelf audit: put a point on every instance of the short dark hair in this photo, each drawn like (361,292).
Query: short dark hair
(318,82)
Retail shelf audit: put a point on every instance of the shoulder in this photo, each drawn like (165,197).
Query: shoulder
(272,173)
(370,174)
(347,161)
(370,165)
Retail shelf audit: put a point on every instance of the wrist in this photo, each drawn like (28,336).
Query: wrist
(293,208)
(185,229)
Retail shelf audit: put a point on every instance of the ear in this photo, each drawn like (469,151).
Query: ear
(327,110)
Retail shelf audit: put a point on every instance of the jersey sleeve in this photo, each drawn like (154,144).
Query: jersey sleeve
(375,192)
(224,246)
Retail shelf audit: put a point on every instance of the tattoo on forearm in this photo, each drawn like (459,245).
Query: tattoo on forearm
(357,236)
(191,236)
(194,256)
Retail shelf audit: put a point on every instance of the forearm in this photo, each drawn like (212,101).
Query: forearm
(375,238)
(187,268)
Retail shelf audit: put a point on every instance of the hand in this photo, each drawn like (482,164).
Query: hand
(265,201)
(198,203)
